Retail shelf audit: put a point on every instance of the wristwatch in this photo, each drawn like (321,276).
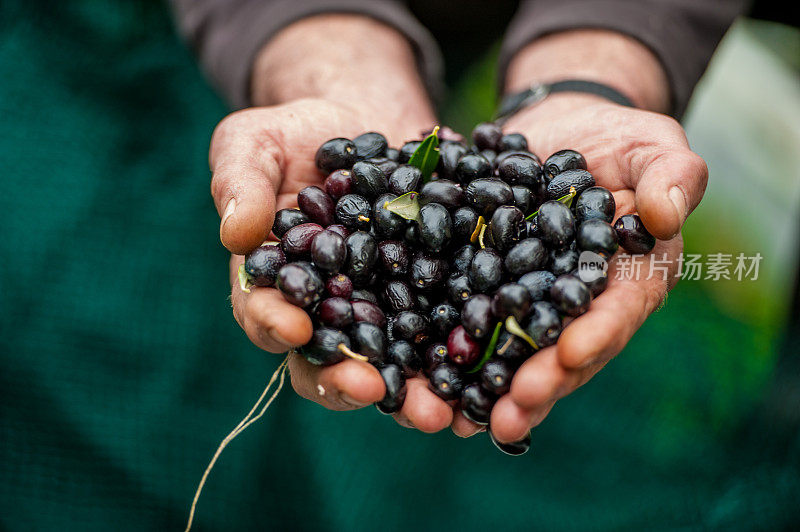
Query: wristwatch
(512,103)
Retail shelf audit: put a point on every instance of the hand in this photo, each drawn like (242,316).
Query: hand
(645,160)
(260,159)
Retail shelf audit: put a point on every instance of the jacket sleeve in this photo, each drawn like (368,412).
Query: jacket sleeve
(227,35)
(681,33)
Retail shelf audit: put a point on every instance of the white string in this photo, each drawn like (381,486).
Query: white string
(243,424)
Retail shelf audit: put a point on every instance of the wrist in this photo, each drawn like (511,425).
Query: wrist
(347,59)
(601,56)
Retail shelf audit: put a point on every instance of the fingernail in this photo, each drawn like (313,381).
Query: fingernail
(346,399)
(679,200)
(229,208)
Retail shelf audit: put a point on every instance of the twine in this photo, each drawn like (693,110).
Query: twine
(243,424)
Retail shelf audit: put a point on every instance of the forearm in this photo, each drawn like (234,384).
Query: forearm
(348,59)
(595,55)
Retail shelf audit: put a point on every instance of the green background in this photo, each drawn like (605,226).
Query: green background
(122,367)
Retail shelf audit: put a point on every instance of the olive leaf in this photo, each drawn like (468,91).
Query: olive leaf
(426,156)
(489,348)
(514,328)
(244,280)
(405,206)
(566,199)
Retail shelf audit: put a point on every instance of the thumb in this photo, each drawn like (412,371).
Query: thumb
(669,188)
(246,172)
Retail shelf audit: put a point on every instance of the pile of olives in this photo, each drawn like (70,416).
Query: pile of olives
(459,270)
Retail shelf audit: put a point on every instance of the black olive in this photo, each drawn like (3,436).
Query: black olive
(336,154)
(370,145)
(485,195)
(435,226)
(564,182)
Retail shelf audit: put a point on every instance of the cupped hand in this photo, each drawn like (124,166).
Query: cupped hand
(645,160)
(260,159)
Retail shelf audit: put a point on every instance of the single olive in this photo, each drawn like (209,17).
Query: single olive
(263,264)
(496,376)
(563,261)
(435,226)
(395,395)
(317,205)
(449,154)
(463,258)
(516,448)
(506,227)
(369,180)
(398,296)
(393,258)
(362,252)
(405,179)
(368,340)
(471,167)
(462,349)
(446,381)
(526,256)
(520,170)
(477,317)
(443,318)
(570,295)
(411,326)
(336,154)
(386,223)
(544,325)
(442,191)
(486,136)
(435,354)
(486,271)
(296,242)
(464,221)
(369,312)
(339,183)
(485,195)
(633,236)
(458,289)
(326,347)
(335,312)
(328,251)
(300,285)
(511,299)
(512,142)
(563,183)
(476,403)
(556,224)
(405,356)
(563,160)
(597,236)
(353,211)
(595,203)
(407,150)
(285,219)
(339,285)
(370,145)
(427,271)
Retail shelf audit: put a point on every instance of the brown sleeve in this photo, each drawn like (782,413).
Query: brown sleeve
(226,35)
(681,33)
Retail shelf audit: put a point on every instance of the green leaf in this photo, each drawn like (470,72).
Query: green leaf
(489,348)
(426,156)
(514,328)
(244,279)
(566,199)
(405,206)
